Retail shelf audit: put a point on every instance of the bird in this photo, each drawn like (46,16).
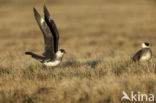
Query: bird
(51,56)
(145,54)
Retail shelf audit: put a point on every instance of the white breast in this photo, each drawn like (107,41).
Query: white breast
(52,63)
(146,57)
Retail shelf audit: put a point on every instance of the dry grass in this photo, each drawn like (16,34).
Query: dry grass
(99,36)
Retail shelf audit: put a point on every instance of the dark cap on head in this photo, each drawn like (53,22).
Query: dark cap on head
(62,51)
(146,43)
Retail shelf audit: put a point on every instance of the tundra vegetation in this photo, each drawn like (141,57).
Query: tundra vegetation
(99,36)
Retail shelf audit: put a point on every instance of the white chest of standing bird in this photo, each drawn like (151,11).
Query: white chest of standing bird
(145,54)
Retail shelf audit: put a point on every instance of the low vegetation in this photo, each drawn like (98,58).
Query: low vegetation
(100,36)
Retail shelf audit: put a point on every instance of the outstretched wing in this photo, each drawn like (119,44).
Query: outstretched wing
(50,22)
(48,37)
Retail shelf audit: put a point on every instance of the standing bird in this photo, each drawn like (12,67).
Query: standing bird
(51,56)
(145,54)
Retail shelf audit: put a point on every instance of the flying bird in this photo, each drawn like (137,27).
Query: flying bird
(145,54)
(51,55)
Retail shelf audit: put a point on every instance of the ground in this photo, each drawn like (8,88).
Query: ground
(99,36)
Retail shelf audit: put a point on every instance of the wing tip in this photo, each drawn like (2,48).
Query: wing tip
(37,15)
(35,12)
(34,9)
(46,12)
(44,6)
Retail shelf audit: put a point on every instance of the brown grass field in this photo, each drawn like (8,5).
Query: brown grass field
(99,36)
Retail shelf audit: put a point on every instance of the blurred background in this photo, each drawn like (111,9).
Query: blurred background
(89,24)
(99,37)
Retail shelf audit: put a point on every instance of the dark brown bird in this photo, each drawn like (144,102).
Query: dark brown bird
(51,56)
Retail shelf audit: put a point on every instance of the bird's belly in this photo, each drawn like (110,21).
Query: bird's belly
(146,57)
(52,63)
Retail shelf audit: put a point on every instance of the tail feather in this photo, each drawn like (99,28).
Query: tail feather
(40,58)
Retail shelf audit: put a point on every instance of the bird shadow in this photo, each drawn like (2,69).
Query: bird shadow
(92,63)
(71,63)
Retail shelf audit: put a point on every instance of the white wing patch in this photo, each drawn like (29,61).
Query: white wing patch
(42,21)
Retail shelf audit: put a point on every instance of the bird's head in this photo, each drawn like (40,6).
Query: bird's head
(60,53)
(145,45)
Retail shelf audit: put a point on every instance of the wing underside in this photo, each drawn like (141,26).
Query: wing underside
(50,22)
(48,37)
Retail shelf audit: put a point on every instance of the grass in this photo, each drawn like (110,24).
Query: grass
(99,36)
